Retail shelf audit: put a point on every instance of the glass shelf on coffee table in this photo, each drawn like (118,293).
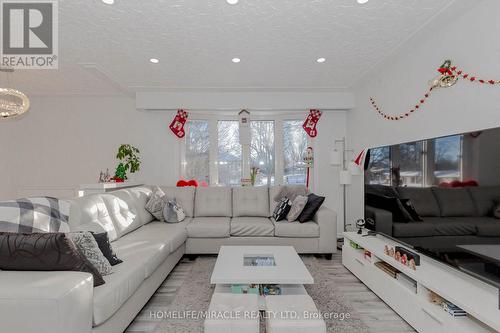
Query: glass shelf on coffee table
(279,265)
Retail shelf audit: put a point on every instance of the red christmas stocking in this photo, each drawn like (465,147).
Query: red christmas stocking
(177,125)
(311,121)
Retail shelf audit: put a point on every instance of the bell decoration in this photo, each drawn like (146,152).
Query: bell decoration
(446,79)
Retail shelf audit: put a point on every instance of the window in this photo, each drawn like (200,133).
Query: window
(379,169)
(294,149)
(407,158)
(197,164)
(229,164)
(447,159)
(262,150)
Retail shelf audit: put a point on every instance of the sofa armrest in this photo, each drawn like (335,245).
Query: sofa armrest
(55,302)
(382,218)
(327,220)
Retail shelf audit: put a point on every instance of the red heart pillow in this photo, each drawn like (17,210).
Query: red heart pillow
(192,182)
(182,183)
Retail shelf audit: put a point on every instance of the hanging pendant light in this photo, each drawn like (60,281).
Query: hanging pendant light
(13,102)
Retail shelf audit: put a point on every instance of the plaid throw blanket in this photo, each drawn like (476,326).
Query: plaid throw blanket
(30,215)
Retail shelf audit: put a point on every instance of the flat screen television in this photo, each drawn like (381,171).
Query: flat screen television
(440,196)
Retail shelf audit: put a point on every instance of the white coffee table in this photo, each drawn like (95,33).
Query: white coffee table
(288,270)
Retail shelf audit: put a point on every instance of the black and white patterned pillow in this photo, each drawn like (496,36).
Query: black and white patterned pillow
(88,247)
(34,215)
(156,203)
(282,209)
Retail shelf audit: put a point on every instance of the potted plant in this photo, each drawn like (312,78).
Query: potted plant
(129,161)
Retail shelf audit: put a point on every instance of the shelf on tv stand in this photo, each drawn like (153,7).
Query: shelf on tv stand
(479,299)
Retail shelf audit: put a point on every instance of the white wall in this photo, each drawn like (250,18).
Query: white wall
(63,142)
(471,40)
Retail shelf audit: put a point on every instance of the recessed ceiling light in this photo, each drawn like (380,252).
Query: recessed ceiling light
(362,1)
(108,2)
(154,60)
(236,60)
(232,2)
(320,60)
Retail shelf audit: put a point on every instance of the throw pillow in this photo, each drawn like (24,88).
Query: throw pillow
(156,203)
(496,208)
(298,205)
(43,252)
(290,192)
(408,205)
(394,205)
(173,212)
(39,214)
(282,209)
(102,240)
(87,246)
(313,204)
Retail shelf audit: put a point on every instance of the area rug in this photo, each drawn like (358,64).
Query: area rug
(193,298)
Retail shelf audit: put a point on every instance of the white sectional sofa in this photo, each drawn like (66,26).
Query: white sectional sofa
(61,302)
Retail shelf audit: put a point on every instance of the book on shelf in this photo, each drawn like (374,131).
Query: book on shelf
(453,310)
(385,267)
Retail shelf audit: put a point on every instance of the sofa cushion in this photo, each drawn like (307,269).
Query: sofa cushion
(251,201)
(183,195)
(484,197)
(173,234)
(152,252)
(252,227)
(90,213)
(213,201)
(423,200)
(413,229)
(391,204)
(488,229)
(451,227)
(140,195)
(308,229)
(123,211)
(455,202)
(209,227)
(124,281)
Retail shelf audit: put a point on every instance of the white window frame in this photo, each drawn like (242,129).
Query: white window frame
(278,120)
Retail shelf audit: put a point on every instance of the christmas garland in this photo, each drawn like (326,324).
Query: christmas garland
(449,75)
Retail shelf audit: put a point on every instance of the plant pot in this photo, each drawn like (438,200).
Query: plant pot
(119,180)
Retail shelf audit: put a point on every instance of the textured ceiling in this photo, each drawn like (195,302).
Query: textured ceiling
(278,42)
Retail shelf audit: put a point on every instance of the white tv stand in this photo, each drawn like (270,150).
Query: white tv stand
(479,299)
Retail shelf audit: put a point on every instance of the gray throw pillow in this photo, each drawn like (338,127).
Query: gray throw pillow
(156,203)
(298,205)
(173,212)
(87,246)
(290,192)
